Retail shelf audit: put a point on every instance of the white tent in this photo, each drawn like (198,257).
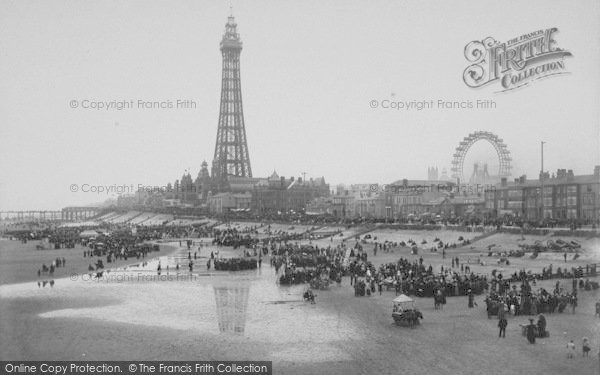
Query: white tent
(403,298)
(402,303)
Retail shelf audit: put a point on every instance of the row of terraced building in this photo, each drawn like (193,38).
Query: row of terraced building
(562,196)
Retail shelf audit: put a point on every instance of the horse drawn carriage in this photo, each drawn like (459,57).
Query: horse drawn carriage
(98,248)
(99,265)
(309,296)
(493,306)
(405,313)
(44,244)
(320,283)
(389,283)
(539,329)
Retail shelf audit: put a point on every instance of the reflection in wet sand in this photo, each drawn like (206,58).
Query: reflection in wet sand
(232,305)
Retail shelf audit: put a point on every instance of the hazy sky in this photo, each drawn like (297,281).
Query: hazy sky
(309,72)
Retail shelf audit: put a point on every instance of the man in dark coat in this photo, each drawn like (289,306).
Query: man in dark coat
(502,323)
(531,332)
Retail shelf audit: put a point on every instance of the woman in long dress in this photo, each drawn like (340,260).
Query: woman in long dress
(531,332)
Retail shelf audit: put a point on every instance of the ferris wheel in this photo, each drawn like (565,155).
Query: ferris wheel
(504,158)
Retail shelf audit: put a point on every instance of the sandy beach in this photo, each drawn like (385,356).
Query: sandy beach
(134,313)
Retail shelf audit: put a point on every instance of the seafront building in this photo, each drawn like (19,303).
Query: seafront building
(561,196)
(400,200)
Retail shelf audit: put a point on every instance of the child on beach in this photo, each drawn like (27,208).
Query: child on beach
(570,349)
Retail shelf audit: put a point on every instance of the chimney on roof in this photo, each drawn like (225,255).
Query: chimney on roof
(570,175)
(503,182)
(523,179)
(597,171)
(292,179)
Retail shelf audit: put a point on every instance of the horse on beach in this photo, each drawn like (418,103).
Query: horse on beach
(412,317)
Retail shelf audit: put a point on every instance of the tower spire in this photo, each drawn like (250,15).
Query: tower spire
(231,149)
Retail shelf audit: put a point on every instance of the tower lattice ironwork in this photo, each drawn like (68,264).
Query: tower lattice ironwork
(231,149)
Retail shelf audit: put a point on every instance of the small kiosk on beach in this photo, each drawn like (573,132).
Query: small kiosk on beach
(404,311)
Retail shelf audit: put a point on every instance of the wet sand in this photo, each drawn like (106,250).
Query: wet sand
(246,315)
(20,262)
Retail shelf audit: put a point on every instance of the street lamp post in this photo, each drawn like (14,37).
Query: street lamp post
(542,183)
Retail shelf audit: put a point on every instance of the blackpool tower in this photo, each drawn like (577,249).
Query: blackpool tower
(231,150)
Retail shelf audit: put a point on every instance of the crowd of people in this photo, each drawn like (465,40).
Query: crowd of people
(526,301)
(234,238)
(56,263)
(506,295)
(235,264)
(414,278)
(303,264)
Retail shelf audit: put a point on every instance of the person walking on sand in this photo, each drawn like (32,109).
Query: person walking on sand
(471,298)
(502,323)
(570,349)
(541,325)
(502,309)
(531,332)
(586,347)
